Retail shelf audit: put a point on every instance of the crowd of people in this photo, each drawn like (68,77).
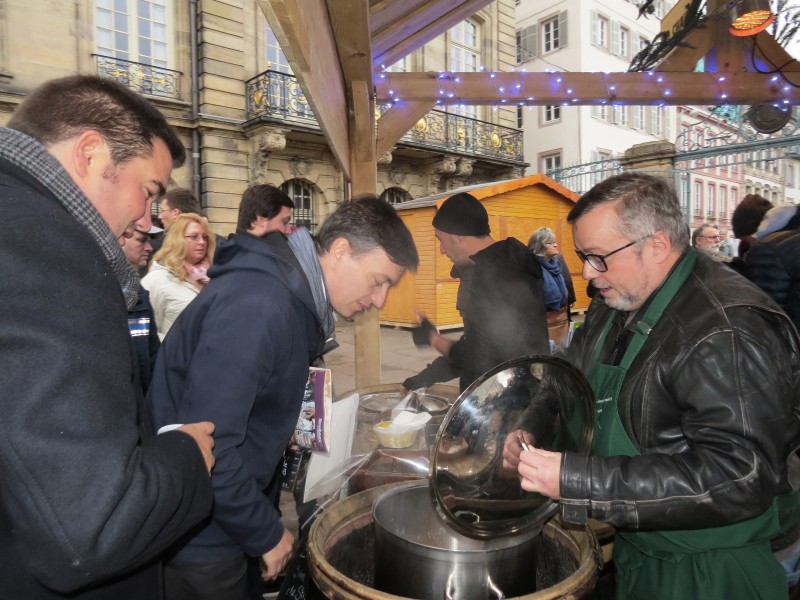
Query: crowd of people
(143,461)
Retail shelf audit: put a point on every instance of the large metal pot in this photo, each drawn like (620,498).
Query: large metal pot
(418,556)
(472,533)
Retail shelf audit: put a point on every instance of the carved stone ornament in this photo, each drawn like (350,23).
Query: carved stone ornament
(464,167)
(397,176)
(446,167)
(299,166)
(386,159)
(273,140)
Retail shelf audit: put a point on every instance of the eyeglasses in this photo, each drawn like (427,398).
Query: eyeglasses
(553,243)
(598,261)
(711,237)
(196,237)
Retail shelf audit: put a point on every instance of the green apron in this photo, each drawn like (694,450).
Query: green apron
(726,563)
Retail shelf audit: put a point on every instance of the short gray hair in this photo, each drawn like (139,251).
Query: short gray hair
(645,204)
(541,237)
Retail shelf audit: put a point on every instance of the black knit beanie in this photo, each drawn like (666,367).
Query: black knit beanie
(462,214)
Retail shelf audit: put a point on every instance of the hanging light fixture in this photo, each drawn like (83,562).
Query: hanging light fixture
(749,17)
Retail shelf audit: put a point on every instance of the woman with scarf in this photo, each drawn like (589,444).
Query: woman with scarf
(544,247)
(179,269)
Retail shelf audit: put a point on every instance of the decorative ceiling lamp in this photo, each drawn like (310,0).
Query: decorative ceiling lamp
(749,17)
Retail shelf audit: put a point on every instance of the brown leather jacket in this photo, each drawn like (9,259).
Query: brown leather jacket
(712,402)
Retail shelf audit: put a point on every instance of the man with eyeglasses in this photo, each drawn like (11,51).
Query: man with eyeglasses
(706,238)
(696,376)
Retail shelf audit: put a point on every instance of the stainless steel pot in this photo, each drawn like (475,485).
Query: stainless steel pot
(418,556)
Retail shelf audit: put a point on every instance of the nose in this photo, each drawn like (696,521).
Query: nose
(145,223)
(379,296)
(588,272)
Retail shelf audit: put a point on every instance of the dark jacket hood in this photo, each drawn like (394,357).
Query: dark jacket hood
(269,254)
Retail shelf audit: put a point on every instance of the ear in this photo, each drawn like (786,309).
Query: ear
(662,245)
(89,153)
(340,248)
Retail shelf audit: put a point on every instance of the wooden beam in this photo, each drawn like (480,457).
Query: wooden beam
(395,122)
(420,27)
(317,67)
(574,89)
(765,48)
(384,13)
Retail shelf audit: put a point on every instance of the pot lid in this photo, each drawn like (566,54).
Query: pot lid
(542,395)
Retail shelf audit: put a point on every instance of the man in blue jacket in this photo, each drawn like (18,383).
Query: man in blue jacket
(239,355)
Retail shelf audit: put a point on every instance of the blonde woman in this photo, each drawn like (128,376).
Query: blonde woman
(179,269)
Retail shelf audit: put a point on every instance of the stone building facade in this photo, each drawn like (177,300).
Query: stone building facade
(212,68)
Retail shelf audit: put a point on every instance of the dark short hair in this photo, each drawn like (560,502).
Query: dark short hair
(646,204)
(747,215)
(261,200)
(369,223)
(64,108)
(183,200)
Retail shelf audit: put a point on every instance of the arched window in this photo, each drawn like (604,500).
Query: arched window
(395,195)
(302,194)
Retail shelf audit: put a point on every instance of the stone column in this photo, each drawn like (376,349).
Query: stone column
(650,156)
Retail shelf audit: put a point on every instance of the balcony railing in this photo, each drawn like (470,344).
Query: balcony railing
(145,79)
(278,96)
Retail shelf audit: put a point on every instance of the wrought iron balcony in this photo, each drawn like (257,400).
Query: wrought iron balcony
(145,79)
(277,96)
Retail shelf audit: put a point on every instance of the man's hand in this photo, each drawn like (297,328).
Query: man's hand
(275,560)
(512,448)
(201,432)
(540,471)
(422,333)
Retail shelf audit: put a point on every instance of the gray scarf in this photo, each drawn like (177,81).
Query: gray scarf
(304,248)
(30,156)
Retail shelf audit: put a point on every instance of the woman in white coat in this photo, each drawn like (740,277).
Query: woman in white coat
(179,269)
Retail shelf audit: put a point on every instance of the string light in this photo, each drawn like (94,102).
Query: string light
(565,89)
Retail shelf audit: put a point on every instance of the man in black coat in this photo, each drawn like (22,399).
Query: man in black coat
(505,316)
(89,496)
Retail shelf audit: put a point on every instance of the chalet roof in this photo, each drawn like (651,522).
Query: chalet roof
(488,190)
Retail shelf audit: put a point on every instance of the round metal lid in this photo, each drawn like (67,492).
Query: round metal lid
(542,395)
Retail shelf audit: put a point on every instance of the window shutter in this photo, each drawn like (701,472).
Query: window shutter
(595,112)
(654,120)
(562,29)
(533,40)
(595,29)
(667,123)
(615,38)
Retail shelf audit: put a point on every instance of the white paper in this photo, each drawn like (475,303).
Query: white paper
(326,471)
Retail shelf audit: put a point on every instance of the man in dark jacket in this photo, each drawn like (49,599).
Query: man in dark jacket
(505,316)
(239,355)
(696,376)
(141,321)
(89,497)
(773,263)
